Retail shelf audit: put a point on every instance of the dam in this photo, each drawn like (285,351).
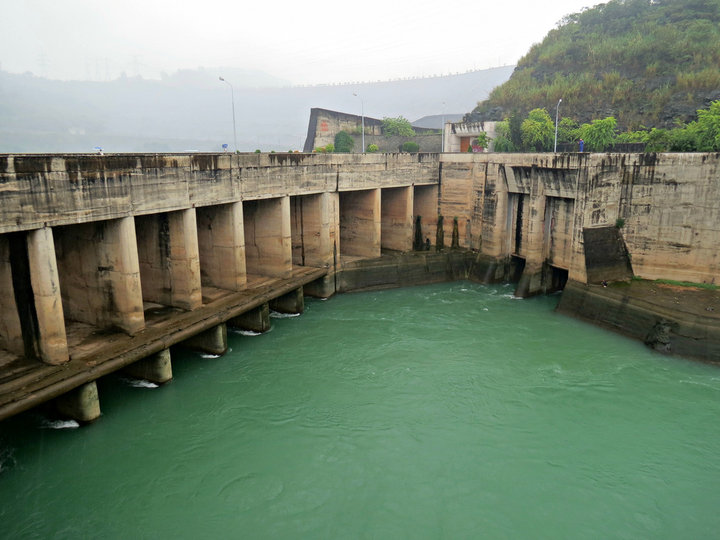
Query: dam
(108,261)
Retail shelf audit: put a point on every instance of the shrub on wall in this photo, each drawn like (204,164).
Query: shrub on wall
(344,142)
(327,149)
(410,146)
(397,126)
(372,148)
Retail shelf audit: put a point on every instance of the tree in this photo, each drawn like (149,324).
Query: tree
(344,142)
(482,140)
(397,126)
(707,128)
(599,134)
(372,148)
(567,130)
(503,142)
(538,131)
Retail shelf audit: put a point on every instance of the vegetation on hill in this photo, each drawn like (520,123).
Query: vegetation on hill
(644,62)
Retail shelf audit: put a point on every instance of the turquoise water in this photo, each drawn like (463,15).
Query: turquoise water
(446,411)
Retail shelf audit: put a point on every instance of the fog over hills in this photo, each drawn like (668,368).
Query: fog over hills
(191,109)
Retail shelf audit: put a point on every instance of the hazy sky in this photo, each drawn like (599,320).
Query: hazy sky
(303,42)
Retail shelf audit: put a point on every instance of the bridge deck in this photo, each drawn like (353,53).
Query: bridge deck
(96,352)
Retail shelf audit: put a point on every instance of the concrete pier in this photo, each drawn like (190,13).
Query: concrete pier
(360,223)
(397,218)
(212,341)
(268,244)
(167,245)
(81,404)
(49,334)
(156,368)
(255,320)
(221,242)
(292,302)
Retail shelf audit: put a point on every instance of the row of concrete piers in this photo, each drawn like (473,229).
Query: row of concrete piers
(82,404)
(90,298)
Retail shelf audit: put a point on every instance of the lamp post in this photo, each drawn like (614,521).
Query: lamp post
(557,111)
(232,97)
(442,124)
(362,119)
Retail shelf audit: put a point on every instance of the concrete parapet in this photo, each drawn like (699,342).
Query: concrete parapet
(156,368)
(81,404)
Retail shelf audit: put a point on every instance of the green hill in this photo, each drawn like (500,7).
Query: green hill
(646,62)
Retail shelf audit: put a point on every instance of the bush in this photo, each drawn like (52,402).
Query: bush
(372,148)
(344,142)
(397,126)
(410,146)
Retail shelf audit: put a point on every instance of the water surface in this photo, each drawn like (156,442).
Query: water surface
(446,411)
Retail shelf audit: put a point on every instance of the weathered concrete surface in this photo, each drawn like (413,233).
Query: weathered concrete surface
(395,269)
(255,320)
(676,320)
(81,404)
(292,302)
(156,368)
(212,341)
(51,341)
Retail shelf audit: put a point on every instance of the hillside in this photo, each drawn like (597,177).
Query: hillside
(191,110)
(645,62)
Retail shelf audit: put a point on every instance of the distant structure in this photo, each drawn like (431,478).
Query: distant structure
(459,136)
(324,124)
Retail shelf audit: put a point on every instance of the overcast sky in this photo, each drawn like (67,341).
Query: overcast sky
(302,42)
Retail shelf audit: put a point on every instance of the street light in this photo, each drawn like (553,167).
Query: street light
(232,97)
(557,111)
(362,117)
(442,124)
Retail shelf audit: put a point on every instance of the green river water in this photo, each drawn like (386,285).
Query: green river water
(445,411)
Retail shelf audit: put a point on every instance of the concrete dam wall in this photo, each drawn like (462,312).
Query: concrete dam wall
(106,261)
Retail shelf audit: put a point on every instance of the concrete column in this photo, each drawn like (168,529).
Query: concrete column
(255,320)
(51,338)
(156,368)
(213,341)
(11,337)
(100,274)
(360,223)
(292,302)
(81,404)
(268,242)
(396,218)
(169,259)
(533,280)
(120,267)
(221,243)
(425,205)
(314,228)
